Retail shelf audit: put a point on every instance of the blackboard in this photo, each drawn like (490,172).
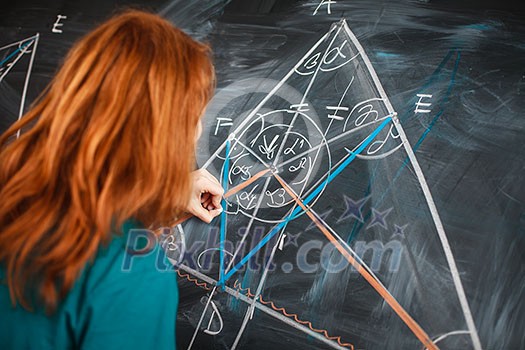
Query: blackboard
(381,150)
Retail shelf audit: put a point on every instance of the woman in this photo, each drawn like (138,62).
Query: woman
(109,146)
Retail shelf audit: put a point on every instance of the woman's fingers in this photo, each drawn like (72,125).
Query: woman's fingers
(206,183)
(207,196)
(203,213)
(207,204)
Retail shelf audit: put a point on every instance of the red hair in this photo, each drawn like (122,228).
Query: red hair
(111,138)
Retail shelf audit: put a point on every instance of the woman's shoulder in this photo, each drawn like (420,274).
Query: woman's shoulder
(127,288)
(132,256)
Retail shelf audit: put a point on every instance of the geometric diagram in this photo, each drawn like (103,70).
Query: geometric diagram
(286,152)
(11,56)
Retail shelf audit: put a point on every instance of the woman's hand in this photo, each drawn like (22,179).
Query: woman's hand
(206,196)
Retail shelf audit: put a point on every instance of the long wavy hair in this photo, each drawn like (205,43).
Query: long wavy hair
(111,138)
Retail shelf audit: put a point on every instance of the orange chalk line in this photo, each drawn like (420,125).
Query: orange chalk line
(231,192)
(282,310)
(246,183)
(248,292)
(194,280)
(407,319)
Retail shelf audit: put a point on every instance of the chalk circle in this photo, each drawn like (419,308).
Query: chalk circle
(294,142)
(226,114)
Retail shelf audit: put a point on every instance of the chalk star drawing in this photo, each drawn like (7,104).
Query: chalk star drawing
(354,209)
(399,231)
(379,218)
(11,56)
(279,159)
(291,239)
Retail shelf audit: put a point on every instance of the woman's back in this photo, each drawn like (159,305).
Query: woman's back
(119,302)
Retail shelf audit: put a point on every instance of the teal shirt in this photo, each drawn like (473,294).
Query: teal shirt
(121,301)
